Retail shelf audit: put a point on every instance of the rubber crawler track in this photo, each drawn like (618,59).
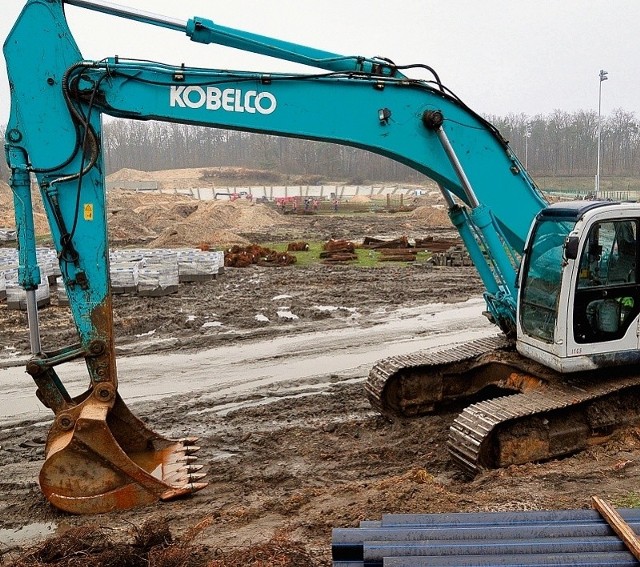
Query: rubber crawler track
(473,437)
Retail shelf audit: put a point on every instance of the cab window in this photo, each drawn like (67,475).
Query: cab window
(607,294)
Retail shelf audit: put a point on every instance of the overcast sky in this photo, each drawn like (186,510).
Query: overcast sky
(499,56)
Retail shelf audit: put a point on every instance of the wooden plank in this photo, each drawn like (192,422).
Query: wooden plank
(617,523)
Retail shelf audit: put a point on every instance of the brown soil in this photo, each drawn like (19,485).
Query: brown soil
(284,472)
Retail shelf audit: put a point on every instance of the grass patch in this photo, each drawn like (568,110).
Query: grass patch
(630,500)
(366,258)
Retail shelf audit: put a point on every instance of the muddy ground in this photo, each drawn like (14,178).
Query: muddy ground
(294,466)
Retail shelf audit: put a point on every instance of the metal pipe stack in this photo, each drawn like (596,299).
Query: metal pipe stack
(536,538)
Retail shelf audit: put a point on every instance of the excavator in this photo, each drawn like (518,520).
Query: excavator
(561,280)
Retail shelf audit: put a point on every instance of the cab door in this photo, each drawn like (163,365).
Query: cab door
(604,318)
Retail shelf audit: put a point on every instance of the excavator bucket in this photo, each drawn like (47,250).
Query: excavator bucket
(101,458)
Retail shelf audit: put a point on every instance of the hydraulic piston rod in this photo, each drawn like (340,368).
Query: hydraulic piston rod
(202,30)
(130,13)
(480,217)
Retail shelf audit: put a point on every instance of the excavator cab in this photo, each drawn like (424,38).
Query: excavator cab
(580,298)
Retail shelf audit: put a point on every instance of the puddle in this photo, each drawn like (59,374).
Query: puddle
(35,531)
(288,362)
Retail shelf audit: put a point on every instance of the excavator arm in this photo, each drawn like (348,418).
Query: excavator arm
(58,100)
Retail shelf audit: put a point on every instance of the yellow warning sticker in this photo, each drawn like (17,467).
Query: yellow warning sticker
(88,211)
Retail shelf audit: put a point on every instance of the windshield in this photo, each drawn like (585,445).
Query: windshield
(541,281)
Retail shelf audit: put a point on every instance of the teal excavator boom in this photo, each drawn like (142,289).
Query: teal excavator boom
(99,456)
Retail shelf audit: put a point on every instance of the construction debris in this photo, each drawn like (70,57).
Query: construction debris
(150,544)
(454,256)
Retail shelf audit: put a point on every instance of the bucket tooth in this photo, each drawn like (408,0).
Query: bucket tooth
(186,459)
(196,476)
(191,468)
(184,490)
(195,486)
(180,478)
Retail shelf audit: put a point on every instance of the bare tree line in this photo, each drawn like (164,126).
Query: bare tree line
(163,145)
(564,143)
(561,143)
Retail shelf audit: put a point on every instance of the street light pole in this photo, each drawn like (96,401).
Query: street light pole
(603,77)
(527,135)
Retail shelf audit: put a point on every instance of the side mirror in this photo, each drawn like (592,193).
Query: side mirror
(571,247)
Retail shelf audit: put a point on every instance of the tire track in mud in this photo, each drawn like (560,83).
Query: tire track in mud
(266,368)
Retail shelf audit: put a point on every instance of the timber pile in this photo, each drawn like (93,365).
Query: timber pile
(297,247)
(338,251)
(433,245)
(243,256)
(375,243)
(397,254)
(396,250)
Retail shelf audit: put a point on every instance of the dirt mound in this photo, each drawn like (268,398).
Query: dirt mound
(239,214)
(7,218)
(210,176)
(243,175)
(360,199)
(430,216)
(174,220)
(6,206)
(127,174)
(185,234)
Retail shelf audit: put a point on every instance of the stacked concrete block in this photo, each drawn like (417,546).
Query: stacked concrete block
(159,276)
(124,276)
(219,256)
(7,234)
(158,280)
(150,272)
(17,297)
(48,262)
(61,292)
(8,259)
(133,255)
(6,265)
(197,266)
(9,277)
